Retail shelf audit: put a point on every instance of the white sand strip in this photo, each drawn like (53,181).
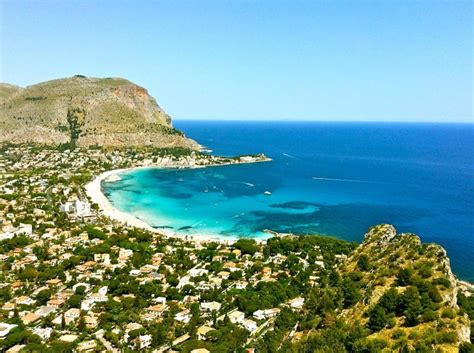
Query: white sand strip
(94,191)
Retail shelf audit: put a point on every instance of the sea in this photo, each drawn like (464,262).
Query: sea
(328,178)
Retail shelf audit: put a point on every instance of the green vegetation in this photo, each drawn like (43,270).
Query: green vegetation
(296,293)
(75,119)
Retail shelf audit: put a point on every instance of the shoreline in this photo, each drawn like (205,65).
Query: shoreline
(93,190)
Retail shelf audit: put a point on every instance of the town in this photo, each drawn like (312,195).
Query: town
(72,279)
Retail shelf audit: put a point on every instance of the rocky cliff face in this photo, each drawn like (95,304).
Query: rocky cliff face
(87,111)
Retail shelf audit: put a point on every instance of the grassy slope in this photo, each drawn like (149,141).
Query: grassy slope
(427,263)
(7,90)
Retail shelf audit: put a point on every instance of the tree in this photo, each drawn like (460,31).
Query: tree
(80,290)
(412,313)
(404,277)
(158,334)
(75,301)
(351,292)
(410,295)
(389,300)
(74,117)
(363,263)
(43,296)
(378,319)
(81,325)
(246,246)
(28,274)
(235,275)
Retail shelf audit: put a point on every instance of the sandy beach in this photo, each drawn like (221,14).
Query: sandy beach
(94,191)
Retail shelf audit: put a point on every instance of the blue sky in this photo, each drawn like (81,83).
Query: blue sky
(381,60)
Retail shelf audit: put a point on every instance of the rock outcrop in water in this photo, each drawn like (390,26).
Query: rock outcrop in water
(86,111)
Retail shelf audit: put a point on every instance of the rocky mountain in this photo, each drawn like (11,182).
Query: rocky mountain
(86,111)
(398,295)
(391,293)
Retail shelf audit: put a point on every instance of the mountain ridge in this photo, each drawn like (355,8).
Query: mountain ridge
(111,112)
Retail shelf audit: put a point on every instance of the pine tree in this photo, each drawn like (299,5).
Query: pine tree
(378,319)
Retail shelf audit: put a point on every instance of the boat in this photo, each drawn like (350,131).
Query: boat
(267,193)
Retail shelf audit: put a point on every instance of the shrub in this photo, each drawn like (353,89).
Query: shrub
(446,337)
(370,345)
(448,313)
(422,347)
(435,295)
(442,281)
(426,271)
(466,347)
(398,334)
(363,263)
(404,277)
(378,319)
(389,300)
(429,315)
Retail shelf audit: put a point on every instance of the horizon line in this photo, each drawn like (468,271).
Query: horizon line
(470,122)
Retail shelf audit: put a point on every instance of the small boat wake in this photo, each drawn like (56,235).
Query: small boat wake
(348,180)
(197,224)
(245,183)
(288,155)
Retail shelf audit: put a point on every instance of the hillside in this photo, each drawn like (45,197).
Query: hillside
(86,111)
(6,90)
(392,293)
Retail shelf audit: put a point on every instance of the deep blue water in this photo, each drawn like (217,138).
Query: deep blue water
(328,178)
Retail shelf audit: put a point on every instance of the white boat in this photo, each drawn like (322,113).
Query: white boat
(267,193)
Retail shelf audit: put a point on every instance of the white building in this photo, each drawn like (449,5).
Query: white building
(45,310)
(160,300)
(183,316)
(87,304)
(265,314)
(296,303)
(82,208)
(210,306)
(67,207)
(236,317)
(43,333)
(24,300)
(195,272)
(184,281)
(142,341)
(10,232)
(104,258)
(249,325)
(103,290)
(6,328)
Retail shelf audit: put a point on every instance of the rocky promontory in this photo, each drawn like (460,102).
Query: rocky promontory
(86,111)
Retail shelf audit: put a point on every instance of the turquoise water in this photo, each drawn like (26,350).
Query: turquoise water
(327,178)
